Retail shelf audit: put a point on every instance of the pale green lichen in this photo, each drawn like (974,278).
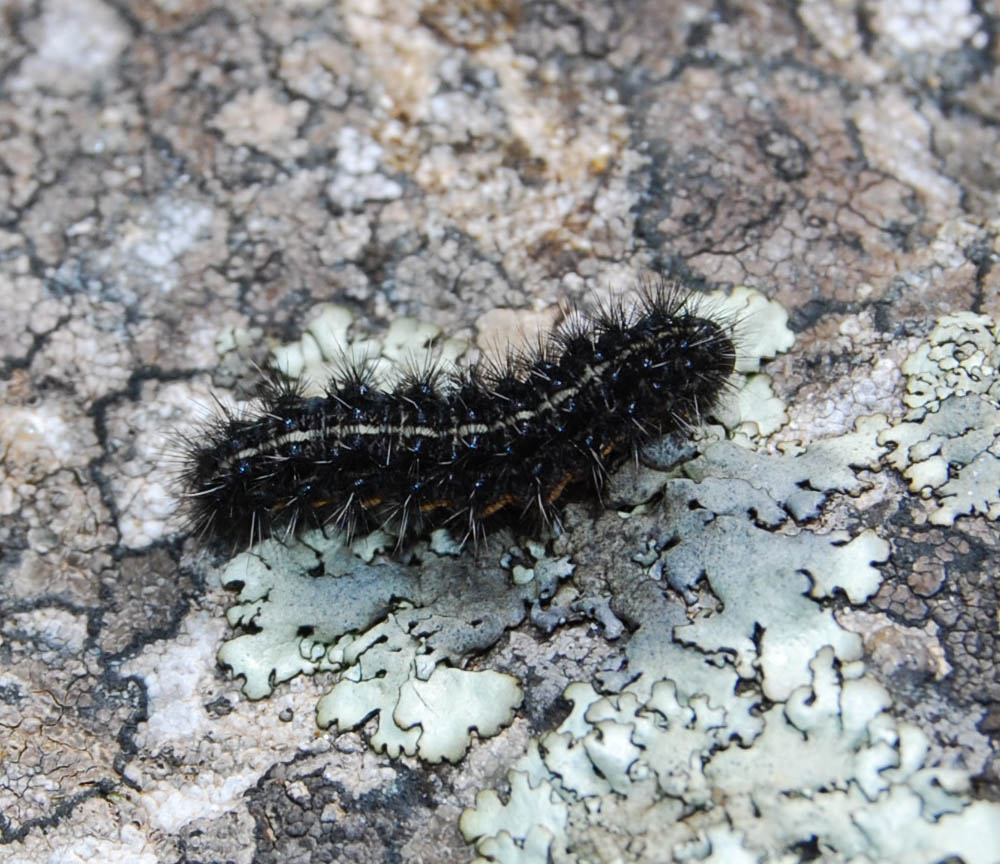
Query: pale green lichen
(327,340)
(432,717)
(672,761)
(672,758)
(715,534)
(642,755)
(961,356)
(948,448)
(523,829)
(801,483)
(754,411)
(761,325)
(779,639)
(387,629)
(664,778)
(486,700)
(750,409)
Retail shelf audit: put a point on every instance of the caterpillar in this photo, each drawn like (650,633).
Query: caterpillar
(506,439)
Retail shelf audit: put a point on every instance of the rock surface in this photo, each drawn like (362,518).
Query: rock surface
(182,184)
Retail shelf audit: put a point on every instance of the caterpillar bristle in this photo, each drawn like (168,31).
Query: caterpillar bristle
(504,440)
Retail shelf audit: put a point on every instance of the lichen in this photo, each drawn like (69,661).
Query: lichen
(522,830)
(399,636)
(432,717)
(670,751)
(829,767)
(328,339)
(802,483)
(388,629)
(948,447)
(751,410)
(673,756)
(961,356)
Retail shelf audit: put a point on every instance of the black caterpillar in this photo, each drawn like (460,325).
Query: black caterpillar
(461,448)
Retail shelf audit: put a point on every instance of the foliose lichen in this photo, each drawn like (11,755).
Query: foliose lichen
(741,723)
(948,448)
(672,758)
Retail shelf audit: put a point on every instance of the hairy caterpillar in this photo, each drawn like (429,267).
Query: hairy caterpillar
(503,440)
